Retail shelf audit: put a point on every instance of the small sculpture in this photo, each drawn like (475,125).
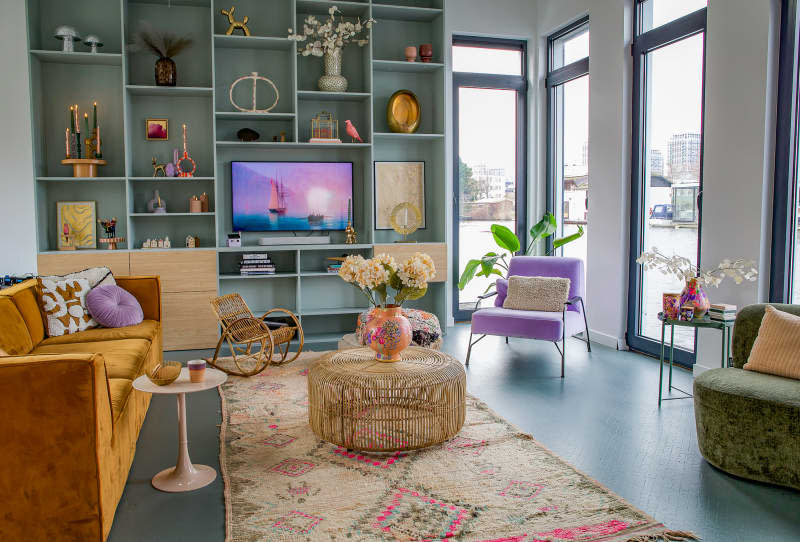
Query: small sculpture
(234,24)
(254,109)
(157,205)
(109,226)
(185,158)
(68,242)
(93,42)
(352,132)
(350,231)
(247,134)
(69,36)
(159,168)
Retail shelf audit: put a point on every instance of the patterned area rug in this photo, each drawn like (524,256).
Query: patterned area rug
(491,483)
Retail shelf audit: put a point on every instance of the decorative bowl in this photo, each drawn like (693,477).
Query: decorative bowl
(165,373)
(403,112)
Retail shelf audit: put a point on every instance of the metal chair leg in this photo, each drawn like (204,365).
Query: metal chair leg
(586,326)
(469,349)
(563,341)
(506,340)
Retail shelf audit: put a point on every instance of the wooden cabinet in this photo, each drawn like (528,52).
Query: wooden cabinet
(188,321)
(71,261)
(401,251)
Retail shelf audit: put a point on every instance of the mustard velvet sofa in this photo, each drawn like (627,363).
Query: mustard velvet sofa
(69,417)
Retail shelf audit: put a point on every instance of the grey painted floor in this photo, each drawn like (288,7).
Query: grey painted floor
(602,418)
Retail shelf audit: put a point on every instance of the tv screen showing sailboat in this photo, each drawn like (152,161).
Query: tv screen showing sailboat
(291,196)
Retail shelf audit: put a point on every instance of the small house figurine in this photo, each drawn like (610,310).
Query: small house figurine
(192,241)
(147,244)
(160,243)
(167,242)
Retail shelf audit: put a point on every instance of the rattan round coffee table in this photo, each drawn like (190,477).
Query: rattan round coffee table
(363,404)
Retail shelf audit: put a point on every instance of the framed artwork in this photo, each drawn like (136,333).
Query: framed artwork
(157,129)
(77,224)
(396,183)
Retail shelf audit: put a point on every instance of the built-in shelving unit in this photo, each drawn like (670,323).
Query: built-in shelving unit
(122,82)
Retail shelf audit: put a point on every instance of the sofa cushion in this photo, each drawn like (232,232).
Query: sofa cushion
(63,303)
(146,330)
(124,358)
(28,306)
(119,389)
(776,348)
(114,307)
(542,325)
(15,339)
(750,385)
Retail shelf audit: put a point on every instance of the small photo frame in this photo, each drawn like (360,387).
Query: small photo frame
(157,129)
(396,183)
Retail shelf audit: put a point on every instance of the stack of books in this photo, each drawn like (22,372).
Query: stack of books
(335,264)
(722,312)
(256,263)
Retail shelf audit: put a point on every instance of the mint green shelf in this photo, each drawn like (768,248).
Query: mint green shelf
(122,83)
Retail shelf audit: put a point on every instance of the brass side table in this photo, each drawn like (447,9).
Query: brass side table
(705,322)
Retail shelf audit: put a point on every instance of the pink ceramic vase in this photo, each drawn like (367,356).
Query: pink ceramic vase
(387,332)
(694,295)
(411,53)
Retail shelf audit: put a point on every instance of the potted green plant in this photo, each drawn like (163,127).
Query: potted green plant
(494,263)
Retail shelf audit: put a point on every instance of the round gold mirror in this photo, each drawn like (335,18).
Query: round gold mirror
(403,112)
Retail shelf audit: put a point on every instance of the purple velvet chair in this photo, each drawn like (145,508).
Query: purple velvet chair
(545,326)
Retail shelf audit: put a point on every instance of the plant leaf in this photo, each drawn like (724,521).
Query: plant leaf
(410,294)
(467,275)
(395,282)
(505,238)
(560,242)
(544,228)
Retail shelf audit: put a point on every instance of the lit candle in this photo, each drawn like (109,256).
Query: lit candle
(66,140)
(94,122)
(97,152)
(86,122)
(72,118)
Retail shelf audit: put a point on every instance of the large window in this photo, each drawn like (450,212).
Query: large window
(785,268)
(668,52)
(568,137)
(489,116)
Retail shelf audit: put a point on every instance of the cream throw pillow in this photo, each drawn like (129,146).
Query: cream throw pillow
(64,306)
(776,350)
(536,293)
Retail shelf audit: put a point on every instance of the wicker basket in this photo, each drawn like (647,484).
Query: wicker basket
(362,404)
(165,373)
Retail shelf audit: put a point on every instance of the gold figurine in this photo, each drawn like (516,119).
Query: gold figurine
(234,24)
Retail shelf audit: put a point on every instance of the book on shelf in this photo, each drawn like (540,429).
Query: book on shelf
(255,256)
(722,312)
(256,272)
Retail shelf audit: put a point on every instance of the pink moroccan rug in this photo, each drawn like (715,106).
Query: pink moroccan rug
(491,483)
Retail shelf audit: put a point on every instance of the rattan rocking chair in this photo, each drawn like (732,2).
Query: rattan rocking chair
(253,341)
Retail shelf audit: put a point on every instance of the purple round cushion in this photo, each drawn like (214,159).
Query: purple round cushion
(111,306)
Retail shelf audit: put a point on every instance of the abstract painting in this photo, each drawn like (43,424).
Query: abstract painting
(81,219)
(157,129)
(396,183)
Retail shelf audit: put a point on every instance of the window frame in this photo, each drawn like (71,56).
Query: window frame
(784,212)
(644,43)
(519,84)
(555,78)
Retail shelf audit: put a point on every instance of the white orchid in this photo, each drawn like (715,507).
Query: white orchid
(331,36)
(684,269)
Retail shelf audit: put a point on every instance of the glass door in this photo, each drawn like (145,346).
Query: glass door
(489,113)
(667,161)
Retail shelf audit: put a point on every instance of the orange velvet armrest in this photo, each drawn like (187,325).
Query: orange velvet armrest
(147,291)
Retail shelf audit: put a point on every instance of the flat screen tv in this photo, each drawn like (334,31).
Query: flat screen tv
(291,196)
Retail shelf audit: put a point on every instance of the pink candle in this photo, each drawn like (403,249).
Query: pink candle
(66,140)
(97,151)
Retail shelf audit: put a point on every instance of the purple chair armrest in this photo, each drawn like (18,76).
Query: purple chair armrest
(502,291)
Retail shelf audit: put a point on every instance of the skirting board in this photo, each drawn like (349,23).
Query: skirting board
(617,343)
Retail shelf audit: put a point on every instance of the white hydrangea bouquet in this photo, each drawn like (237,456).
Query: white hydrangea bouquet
(678,266)
(330,36)
(377,276)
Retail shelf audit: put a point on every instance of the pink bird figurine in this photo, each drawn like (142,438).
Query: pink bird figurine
(352,132)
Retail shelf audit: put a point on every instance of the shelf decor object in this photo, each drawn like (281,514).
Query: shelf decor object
(159,168)
(68,35)
(156,129)
(406,218)
(398,183)
(411,53)
(403,112)
(327,40)
(164,45)
(78,224)
(185,158)
(93,42)
(83,167)
(426,52)
(255,78)
(110,230)
(324,128)
(350,231)
(234,24)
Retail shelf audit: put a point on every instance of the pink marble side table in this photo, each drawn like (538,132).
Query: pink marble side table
(184,476)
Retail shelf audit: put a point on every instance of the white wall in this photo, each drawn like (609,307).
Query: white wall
(17,220)
(514,19)
(739,148)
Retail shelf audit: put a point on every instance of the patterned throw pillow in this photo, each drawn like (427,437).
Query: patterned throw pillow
(63,303)
(96,276)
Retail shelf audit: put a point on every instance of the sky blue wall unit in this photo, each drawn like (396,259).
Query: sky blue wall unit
(122,82)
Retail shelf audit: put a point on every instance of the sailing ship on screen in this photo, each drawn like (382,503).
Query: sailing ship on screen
(291,196)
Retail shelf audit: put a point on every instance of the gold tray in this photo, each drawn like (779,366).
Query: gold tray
(403,112)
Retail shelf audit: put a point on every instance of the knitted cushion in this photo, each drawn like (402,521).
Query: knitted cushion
(776,348)
(547,294)
(111,306)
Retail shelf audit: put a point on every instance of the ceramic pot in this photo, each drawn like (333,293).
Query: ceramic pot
(694,295)
(671,305)
(426,52)
(411,53)
(387,332)
(166,72)
(332,81)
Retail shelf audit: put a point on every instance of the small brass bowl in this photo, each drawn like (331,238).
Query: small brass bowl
(403,112)
(165,373)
